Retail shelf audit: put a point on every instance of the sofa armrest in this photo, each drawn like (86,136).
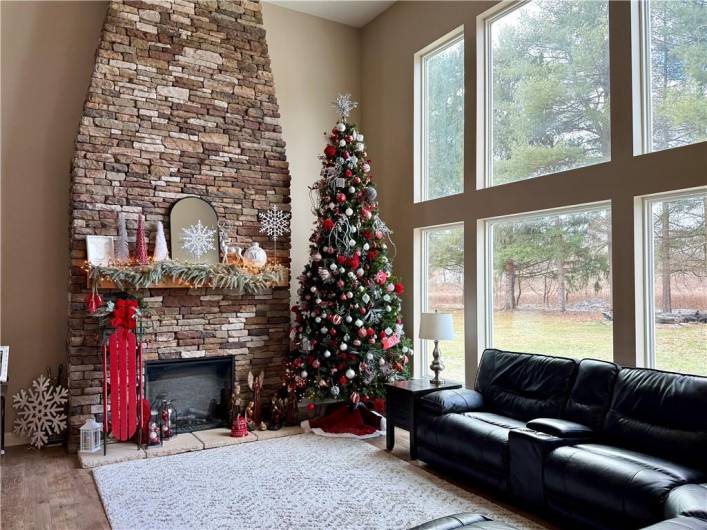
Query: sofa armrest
(561,428)
(527,450)
(689,500)
(447,401)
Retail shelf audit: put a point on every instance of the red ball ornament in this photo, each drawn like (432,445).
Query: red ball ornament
(370,332)
(343,380)
(328,225)
(399,288)
(356,342)
(341,260)
(330,151)
(357,180)
(341,197)
(348,173)
(310,406)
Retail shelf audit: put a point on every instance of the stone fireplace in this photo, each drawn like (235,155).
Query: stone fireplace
(181,103)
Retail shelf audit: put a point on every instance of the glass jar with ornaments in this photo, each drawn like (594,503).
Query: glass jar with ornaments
(168,419)
(153,429)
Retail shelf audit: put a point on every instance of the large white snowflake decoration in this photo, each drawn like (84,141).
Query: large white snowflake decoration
(40,411)
(198,239)
(344,105)
(274,222)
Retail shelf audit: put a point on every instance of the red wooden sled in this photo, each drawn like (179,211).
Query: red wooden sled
(125,383)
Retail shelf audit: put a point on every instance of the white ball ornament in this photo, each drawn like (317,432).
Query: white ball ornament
(349,295)
(323,330)
(366,246)
(342,143)
(348,319)
(318,301)
(366,298)
(386,298)
(352,242)
(349,212)
(405,349)
(318,319)
(352,189)
(388,309)
(369,356)
(358,323)
(366,168)
(304,374)
(350,373)
(333,266)
(351,274)
(342,270)
(340,127)
(381,361)
(331,205)
(343,346)
(313,289)
(359,272)
(327,354)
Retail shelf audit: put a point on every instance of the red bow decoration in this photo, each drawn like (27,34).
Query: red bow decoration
(124,314)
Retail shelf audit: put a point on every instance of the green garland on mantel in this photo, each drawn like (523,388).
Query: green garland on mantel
(220,276)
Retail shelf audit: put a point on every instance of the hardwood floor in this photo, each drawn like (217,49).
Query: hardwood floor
(47,490)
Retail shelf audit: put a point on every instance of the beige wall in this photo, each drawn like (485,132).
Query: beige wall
(47,55)
(389,44)
(312,61)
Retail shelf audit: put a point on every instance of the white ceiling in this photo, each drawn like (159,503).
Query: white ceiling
(352,13)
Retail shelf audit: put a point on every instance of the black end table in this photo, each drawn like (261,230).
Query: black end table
(401,400)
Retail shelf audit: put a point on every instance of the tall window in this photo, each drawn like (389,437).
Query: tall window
(676,274)
(548,283)
(674,66)
(442,289)
(546,89)
(441,119)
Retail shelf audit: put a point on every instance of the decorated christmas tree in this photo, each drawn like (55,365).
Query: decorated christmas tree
(348,332)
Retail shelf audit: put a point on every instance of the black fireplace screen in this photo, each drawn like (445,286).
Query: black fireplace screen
(199,388)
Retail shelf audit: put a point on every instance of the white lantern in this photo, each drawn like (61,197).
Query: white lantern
(91,436)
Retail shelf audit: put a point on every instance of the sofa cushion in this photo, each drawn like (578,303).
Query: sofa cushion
(477,438)
(523,385)
(660,413)
(631,485)
(591,393)
(463,521)
(679,523)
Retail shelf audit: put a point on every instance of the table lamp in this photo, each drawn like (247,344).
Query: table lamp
(436,326)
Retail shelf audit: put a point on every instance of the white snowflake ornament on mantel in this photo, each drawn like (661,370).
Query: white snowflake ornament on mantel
(198,239)
(40,411)
(274,222)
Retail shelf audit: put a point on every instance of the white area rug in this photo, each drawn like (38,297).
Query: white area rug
(297,482)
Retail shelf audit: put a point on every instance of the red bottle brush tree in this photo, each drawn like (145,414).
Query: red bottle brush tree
(347,336)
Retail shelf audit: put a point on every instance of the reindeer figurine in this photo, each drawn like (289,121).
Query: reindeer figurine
(256,385)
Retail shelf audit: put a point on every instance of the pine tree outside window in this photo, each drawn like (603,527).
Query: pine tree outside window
(543,89)
(547,282)
(439,118)
(670,69)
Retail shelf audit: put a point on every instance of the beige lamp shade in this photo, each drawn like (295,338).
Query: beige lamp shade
(436,326)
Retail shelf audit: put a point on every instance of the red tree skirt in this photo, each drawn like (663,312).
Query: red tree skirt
(345,422)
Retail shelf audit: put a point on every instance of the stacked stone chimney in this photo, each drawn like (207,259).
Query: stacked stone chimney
(181,103)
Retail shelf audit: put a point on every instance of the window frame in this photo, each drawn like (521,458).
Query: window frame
(485,261)
(421,269)
(421,187)
(645,270)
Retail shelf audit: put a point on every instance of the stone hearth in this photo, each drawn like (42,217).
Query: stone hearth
(181,103)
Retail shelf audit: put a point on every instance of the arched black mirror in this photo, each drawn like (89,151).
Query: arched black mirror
(194,230)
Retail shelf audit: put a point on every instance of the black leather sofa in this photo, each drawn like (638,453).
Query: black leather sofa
(599,445)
